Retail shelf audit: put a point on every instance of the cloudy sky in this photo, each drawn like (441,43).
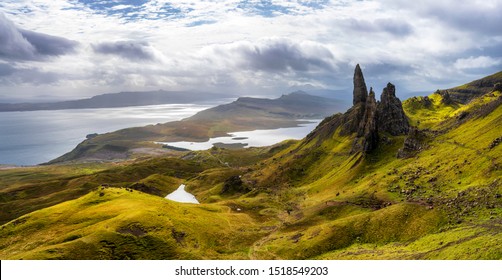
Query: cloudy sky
(78,48)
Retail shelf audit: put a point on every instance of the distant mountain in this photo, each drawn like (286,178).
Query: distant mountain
(343,96)
(297,104)
(114,100)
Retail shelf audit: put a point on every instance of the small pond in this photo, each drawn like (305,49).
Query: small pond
(180,195)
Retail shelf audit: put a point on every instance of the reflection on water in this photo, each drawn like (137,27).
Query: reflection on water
(180,195)
(255,138)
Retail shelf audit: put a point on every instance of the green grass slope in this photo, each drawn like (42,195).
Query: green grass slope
(114,223)
(309,199)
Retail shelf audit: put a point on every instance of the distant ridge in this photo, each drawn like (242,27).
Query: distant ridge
(298,104)
(115,100)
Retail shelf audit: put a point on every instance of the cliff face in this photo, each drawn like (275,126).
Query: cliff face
(368,127)
(367,117)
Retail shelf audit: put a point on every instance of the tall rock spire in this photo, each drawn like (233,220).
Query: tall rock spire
(391,116)
(367,119)
(360,90)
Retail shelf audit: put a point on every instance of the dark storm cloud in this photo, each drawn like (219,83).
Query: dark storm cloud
(49,45)
(283,55)
(18,44)
(130,50)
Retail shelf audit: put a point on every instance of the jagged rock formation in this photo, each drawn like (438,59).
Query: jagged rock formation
(367,117)
(391,117)
(351,120)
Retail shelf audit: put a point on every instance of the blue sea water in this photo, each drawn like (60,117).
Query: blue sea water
(29,138)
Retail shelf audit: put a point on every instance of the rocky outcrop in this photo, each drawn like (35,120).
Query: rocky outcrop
(234,184)
(351,120)
(391,116)
(445,97)
(426,101)
(415,142)
(467,92)
(497,87)
(366,118)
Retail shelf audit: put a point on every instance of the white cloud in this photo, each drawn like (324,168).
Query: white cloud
(477,62)
(224,46)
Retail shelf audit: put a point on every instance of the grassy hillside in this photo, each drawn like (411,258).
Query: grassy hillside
(112,223)
(311,199)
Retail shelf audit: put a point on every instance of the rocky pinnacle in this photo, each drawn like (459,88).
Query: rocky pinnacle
(360,90)
(367,118)
(391,116)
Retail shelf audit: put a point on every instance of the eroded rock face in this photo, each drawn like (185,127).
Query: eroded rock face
(352,118)
(391,116)
(368,128)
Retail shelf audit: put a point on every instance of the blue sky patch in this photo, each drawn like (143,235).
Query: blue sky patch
(127,9)
(314,4)
(201,22)
(265,8)
(133,9)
